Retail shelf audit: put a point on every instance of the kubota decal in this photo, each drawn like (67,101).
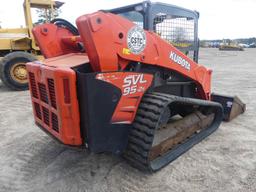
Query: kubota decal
(136,40)
(179,60)
(131,83)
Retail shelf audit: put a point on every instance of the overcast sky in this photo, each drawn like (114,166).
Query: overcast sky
(218,18)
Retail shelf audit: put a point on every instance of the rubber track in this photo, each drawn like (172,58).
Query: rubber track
(146,121)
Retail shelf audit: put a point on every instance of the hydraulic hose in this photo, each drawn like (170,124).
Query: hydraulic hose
(65,24)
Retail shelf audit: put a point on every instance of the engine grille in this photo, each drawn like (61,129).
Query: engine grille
(37,110)
(43,93)
(54,97)
(55,123)
(44,102)
(33,84)
(46,116)
(51,88)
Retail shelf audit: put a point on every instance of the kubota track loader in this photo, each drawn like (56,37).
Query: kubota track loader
(129,83)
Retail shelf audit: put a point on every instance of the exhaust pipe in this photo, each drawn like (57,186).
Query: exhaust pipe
(232,106)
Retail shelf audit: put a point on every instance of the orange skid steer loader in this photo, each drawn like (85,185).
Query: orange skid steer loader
(127,81)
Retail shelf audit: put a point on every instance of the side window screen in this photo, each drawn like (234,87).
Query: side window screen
(178,31)
(133,16)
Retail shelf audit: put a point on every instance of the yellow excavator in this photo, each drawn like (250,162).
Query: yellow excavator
(17,46)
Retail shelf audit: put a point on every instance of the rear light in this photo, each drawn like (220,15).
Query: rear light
(66,89)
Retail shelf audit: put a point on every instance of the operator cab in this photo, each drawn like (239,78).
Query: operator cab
(176,25)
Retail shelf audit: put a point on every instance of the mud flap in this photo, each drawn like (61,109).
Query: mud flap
(232,105)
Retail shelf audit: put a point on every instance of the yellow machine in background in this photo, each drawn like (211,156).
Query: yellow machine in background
(229,45)
(17,46)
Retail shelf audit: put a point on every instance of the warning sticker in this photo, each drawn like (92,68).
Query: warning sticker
(136,40)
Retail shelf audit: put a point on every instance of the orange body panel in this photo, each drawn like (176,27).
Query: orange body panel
(133,86)
(105,38)
(51,111)
(67,60)
(54,41)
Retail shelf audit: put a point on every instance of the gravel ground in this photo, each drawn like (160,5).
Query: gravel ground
(225,161)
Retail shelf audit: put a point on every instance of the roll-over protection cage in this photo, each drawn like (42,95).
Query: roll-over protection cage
(177,25)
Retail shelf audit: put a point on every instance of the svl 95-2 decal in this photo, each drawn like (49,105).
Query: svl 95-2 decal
(131,83)
(132,86)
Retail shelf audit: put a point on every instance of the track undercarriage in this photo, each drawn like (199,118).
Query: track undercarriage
(160,136)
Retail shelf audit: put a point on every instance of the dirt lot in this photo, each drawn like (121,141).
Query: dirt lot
(225,161)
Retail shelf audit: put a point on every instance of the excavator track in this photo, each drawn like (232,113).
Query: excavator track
(157,138)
